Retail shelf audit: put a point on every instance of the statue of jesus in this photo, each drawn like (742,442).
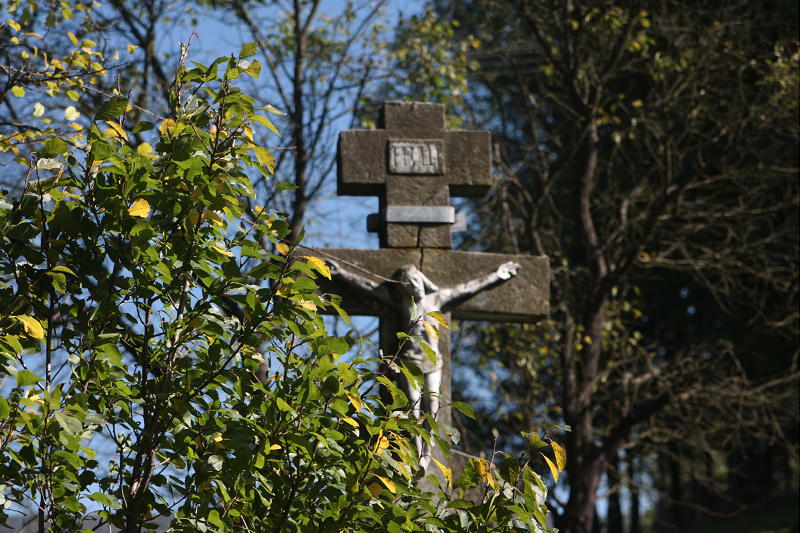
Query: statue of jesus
(413,297)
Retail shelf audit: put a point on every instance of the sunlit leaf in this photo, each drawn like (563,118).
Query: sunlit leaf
(70,113)
(381,443)
(355,400)
(561,455)
(446,471)
(553,468)
(248,50)
(273,110)
(31,326)
(144,149)
(282,248)
(319,265)
(139,208)
(18,91)
(431,329)
(388,483)
(485,472)
(264,157)
(429,352)
(439,317)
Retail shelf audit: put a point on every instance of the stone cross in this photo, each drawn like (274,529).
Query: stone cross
(414,165)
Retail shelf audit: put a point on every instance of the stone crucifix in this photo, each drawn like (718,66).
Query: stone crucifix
(414,165)
(414,297)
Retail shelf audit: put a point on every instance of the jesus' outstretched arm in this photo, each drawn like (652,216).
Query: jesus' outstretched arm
(447,298)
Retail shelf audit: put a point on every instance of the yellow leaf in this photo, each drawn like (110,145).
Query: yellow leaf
(282,248)
(71,113)
(18,91)
(439,317)
(140,208)
(350,421)
(274,446)
(14,25)
(144,149)
(485,473)
(72,38)
(167,127)
(222,251)
(38,109)
(33,328)
(448,474)
(388,483)
(318,265)
(307,304)
(431,329)
(218,438)
(375,489)
(132,48)
(264,157)
(381,443)
(355,400)
(637,103)
(561,455)
(553,469)
(117,129)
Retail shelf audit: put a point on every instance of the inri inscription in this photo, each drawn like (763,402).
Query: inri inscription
(416,157)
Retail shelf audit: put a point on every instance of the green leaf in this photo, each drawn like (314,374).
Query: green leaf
(464,408)
(535,442)
(53,147)
(265,158)
(213,518)
(142,126)
(105,499)
(111,109)
(248,50)
(26,377)
(282,405)
(429,352)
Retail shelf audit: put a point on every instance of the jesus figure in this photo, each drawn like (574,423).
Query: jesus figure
(414,296)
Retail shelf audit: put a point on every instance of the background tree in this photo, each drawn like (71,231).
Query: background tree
(651,152)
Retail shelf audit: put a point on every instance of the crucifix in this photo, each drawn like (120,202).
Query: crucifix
(414,164)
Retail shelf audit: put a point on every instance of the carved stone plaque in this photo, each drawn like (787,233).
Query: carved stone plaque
(416,157)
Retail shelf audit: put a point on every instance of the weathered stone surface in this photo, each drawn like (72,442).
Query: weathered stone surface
(413,160)
(523,298)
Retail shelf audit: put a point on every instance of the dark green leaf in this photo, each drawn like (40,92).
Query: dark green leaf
(111,109)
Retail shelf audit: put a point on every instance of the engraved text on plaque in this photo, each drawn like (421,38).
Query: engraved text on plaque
(416,157)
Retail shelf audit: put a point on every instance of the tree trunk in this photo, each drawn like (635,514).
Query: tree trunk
(633,490)
(614,519)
